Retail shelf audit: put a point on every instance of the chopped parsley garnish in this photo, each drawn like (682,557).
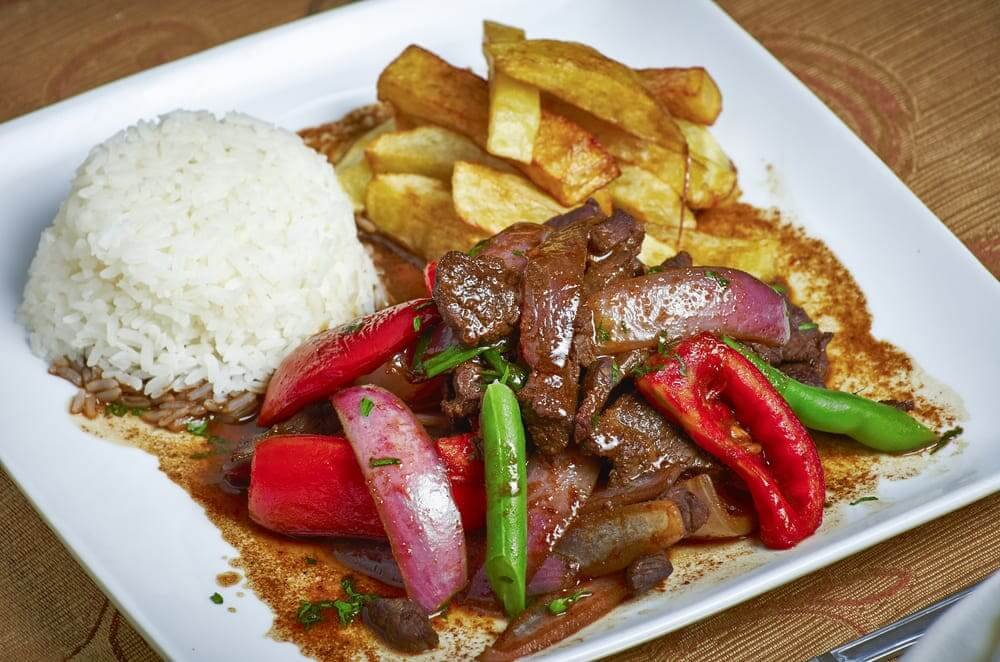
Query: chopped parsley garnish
(863,499)
(562,605)
(198,428)
(616,372)
(779,288)
(947,437)
(643,369)
(518,253)
(311,613)
(310,560)
(718,278)
(603,335)
(478,248)
(366,406)
(376,462)
(119,409)
(662,346)
(808,326)
(216,598)
(655,270)
(416,324)
(595,420)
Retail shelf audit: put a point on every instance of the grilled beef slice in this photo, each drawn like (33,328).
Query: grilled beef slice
(511,245)
(467,391)
(803,357)
(477,297)
(400,623)
(550,297)
(614,249)
(636,438)
(601,378)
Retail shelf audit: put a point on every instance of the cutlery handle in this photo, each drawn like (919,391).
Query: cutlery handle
(895,637)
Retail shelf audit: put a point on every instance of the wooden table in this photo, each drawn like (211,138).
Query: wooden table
(917,80)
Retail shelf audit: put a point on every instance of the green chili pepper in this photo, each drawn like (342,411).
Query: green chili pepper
(504,455)
(871,423)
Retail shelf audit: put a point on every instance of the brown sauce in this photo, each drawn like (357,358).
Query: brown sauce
(283,571)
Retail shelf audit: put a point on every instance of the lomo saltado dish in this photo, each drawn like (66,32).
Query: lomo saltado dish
(519,343)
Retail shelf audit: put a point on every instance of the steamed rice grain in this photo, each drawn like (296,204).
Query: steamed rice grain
(195,250)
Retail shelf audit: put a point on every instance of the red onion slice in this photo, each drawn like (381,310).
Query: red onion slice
(677,303)
(407,480)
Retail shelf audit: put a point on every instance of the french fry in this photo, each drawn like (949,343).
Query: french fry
(688,94)
(668,165)
(426,150)
(417,212)
(515,108)
(712,175)
(352,168)
(582,76)
(335,138)
(654,251)
(647,197)
(493,200)
(567,161)
(758,256)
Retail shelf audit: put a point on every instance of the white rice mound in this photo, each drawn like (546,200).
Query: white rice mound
(194,248)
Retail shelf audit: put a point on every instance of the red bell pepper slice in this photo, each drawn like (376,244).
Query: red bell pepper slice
(693,385)
(311,485)
(335,358)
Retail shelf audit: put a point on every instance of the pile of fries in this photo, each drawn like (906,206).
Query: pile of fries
(448,158)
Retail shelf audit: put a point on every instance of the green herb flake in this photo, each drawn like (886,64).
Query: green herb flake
(863,499)
(311,613)
(377,462)
(366,406)
(310,560)
(808,326)
(116,409)
(198,428)
(718,278)
(216,598)
(662,346)
(416,324)
(779,288)
(562,605)
(616,372)
(946,438)
(655,270)
(603,335)
(478,248)
(642,369)
(518,253)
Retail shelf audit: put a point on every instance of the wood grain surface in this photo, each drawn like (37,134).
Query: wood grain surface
(917,80)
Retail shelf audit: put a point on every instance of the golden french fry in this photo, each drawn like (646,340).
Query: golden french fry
(493,200)
(515,108)
(668,165)
(688,94)
(712,175)
(567,161)
(758,256)
(654,251)
(417,212)
(426,150)
(602,197)
(647,197)
(582,76)
(335,138)
(352,168)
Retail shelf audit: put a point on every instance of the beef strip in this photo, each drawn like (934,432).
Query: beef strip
(588,213)
(477,297)
(637,439)
(511,245)
(647,572)
(694,511)
(467,391)
(550,295)
(601,378)
(401,623)
(803,357)
(680,261)
(614,249)
(317,418)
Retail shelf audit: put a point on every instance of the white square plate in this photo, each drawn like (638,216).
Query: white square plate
(152,548)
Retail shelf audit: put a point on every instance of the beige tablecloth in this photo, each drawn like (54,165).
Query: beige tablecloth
(917,80)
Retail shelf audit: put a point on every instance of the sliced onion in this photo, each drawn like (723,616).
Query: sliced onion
(556,573)
(558,486)
(413,496)
(538,628)
(677,303)
(720,523)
